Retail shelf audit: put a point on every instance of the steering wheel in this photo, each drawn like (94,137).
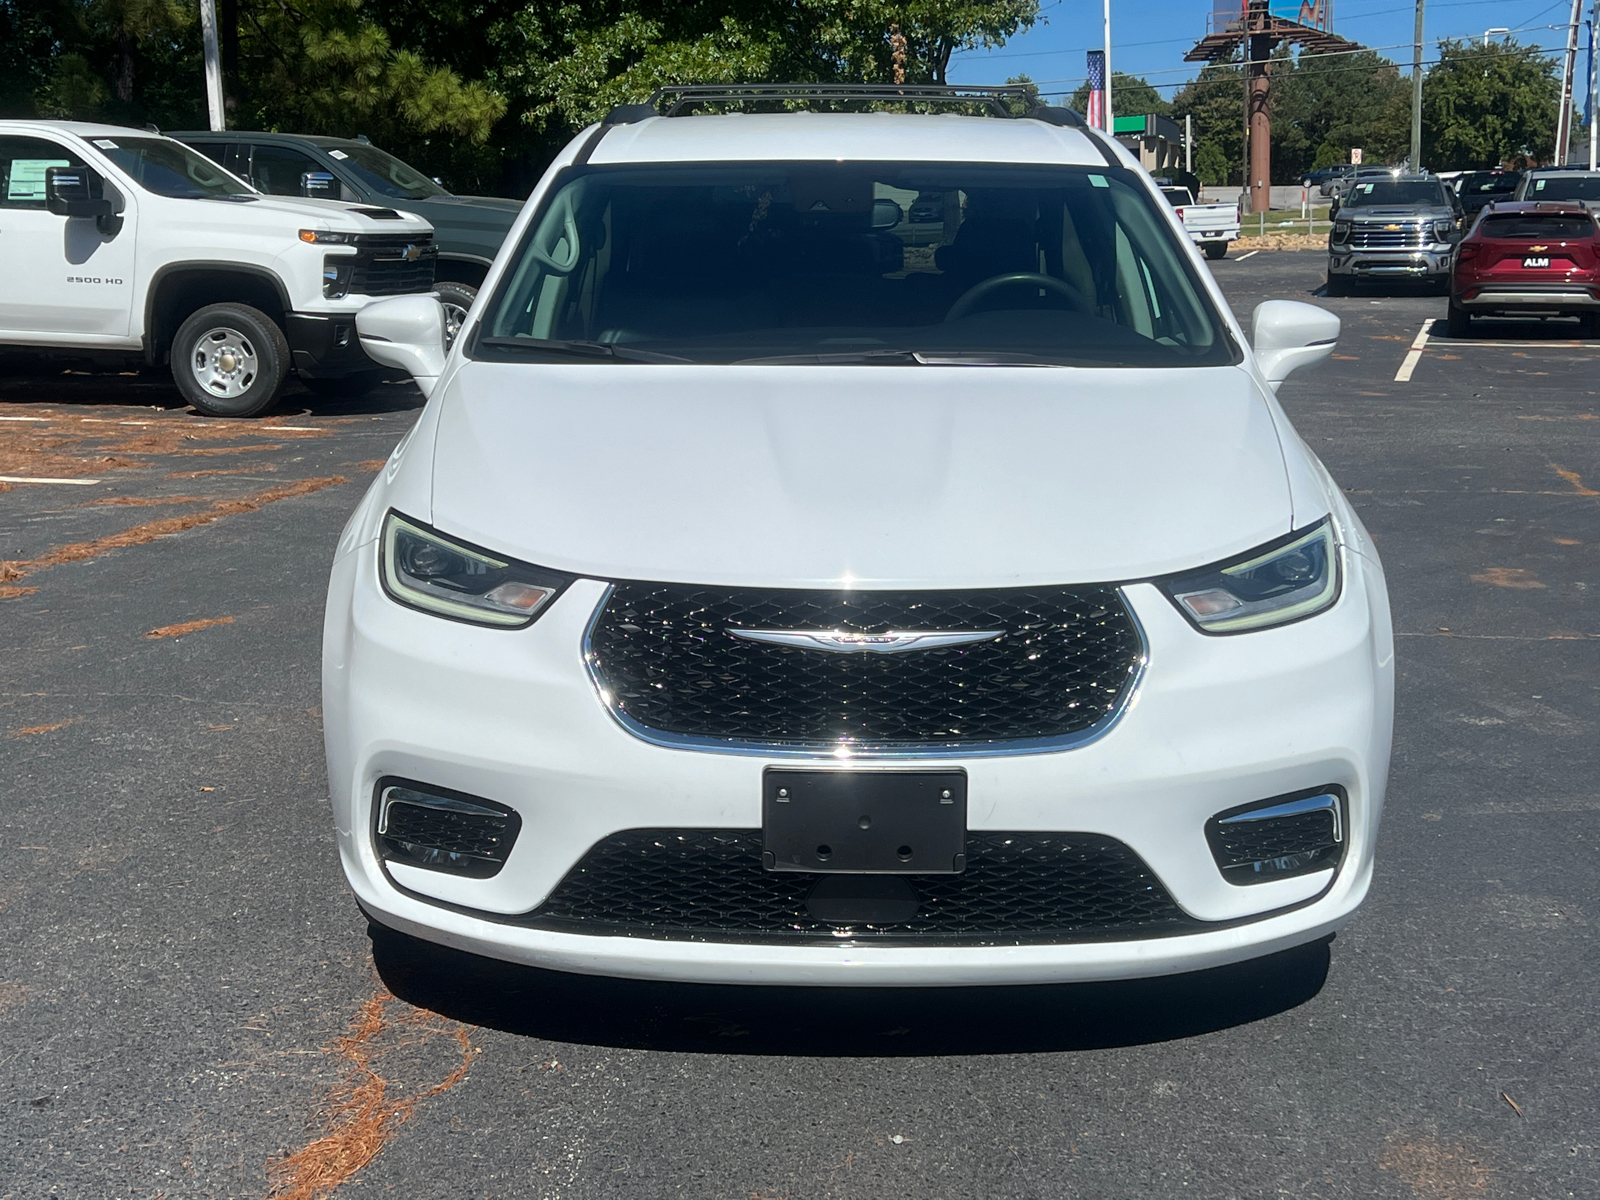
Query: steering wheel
(969,299)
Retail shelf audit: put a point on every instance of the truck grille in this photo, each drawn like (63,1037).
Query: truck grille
(708,884)
(670,669)
(393,264)
(1388,239)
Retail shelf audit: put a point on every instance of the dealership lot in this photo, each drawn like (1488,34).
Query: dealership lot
(189,995)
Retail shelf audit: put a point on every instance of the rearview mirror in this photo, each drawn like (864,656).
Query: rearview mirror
(1288,335)
(319,185)
(885,213)
(407,333)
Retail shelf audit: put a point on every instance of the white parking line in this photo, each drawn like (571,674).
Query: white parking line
(1414,355)
(24,418)
(30,479)
(1242,257)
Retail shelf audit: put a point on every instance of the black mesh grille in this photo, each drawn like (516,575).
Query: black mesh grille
(664,654)
(381,267)
(445,833)
(1274,848)
(708,884)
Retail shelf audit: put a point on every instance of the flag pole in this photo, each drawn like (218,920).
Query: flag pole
(1111,121)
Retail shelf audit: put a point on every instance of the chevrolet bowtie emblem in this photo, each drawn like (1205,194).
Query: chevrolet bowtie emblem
(839,641)
(413,252)
(1535,249)
(1390,228)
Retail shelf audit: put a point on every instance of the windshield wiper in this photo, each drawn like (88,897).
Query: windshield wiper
(579,348)
(846,357)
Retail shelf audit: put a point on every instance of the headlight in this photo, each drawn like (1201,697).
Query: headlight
(425,570)
(1280,582)
(1441,230)
(1341,230)
(326,237)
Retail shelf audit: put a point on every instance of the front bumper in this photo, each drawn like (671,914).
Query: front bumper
(325,345)
(513,716)
(1421,263)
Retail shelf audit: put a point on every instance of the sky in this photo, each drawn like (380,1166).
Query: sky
(1150,37)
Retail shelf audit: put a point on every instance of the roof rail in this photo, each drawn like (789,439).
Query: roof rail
(679,99)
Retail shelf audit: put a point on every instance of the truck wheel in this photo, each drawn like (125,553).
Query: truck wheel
(1216,250)
(1459,322)
(229,360)
(1338,285)
(457,300)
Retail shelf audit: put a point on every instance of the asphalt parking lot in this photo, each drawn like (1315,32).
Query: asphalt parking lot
(190,1004)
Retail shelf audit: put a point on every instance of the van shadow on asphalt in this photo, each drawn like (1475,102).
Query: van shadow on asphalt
(839,1022)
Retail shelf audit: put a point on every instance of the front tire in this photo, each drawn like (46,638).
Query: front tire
(1216,250)
(1337,285)
(229,360)
(457,300)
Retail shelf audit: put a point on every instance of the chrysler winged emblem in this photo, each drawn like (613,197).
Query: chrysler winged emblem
(841,641)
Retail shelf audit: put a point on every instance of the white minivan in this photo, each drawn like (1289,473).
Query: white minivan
(855,548)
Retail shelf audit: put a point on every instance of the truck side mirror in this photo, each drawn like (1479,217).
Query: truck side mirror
(319,185)
(80,192)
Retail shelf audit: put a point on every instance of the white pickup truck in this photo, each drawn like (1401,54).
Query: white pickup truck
(123,241)
(1210,226)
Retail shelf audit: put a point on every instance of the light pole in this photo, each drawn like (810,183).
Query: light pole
(1568,70)
(208,31)
(1594,78)
(1111,121)
(1416,94)
(1497,29)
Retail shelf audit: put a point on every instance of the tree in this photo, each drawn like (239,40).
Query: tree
(1215,102)
(1486,105)
(1322,107)
(1130,95)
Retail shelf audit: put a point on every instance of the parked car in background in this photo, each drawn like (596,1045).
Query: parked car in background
(1528,259)
(124,241)
(1394,227)
(1210,226)
(1335,180)
(468,230)
(1478,189)
(1560,183)
(1315,179)
(634,664)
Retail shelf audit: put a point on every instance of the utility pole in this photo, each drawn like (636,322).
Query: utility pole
(1188,139)
(1416,93)
(1594,79)
(1569,66)
(213,60)
(1111,121)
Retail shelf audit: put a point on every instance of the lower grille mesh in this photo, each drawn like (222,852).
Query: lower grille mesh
(709,884)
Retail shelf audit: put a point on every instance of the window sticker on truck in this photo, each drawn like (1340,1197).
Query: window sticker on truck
(105,143)
(27,177)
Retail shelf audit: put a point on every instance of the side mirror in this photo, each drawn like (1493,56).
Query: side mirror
(885,213)
(1287,335)
(407,333)
(319,185)
(75,192)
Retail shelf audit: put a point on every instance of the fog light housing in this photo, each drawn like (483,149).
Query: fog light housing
(442,830)
(1297,834)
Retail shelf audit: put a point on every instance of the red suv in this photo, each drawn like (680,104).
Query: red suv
(1528,259)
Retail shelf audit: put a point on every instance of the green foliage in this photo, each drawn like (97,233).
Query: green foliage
(1212,165)
(1487,105)
(75,92)
(1130,95)
(1321,107)
(1215,101)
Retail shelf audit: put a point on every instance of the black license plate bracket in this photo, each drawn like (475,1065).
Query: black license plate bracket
(886,822)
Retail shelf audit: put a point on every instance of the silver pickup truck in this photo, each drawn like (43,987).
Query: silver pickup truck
(1394,227)
(1210,226)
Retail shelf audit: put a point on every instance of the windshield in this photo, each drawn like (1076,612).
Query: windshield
(1177,196)
(170,168)
(1564,187)
(384,173)
(1398,192)
(839,262)
(1555,227)
(1490,183)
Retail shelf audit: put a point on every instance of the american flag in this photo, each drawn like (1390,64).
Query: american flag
(1097,89)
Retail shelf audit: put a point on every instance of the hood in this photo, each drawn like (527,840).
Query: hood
(1415,212)
(469,212)
(340,214)
(881,476)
